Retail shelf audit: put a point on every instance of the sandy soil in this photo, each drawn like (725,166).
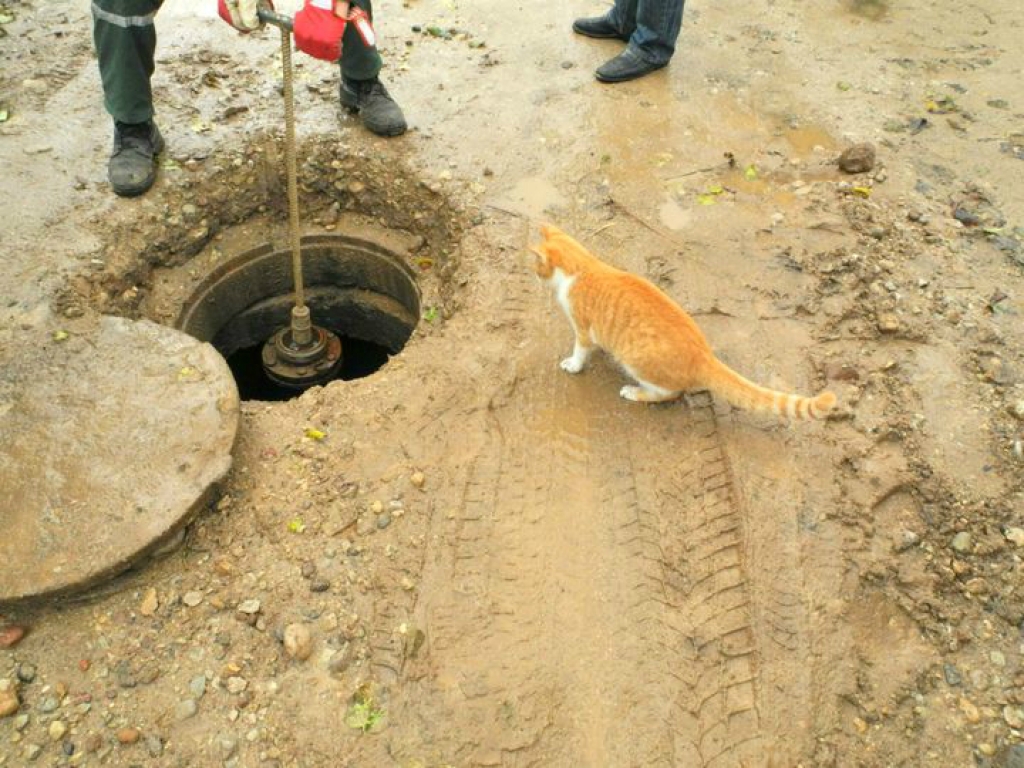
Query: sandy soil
(494,563)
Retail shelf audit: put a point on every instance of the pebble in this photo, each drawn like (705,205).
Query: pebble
(859,158)
(32,751)
(986,749)
(1013,757)
(249,607)
(341,659)
(154,745)
(192,599)
(308,569)
(20,722)
(92,743)
(185,709)
(236,684)
(227,746)
(961,542)
(417,479)
(1015,536)
(952,674)
(997,658)
(888,323)
(1017,410)
(971,713)
(979,680)
(128,735)
(149,603)
(57,730)
(10,636)
(26,673)
(298,642)
(9,702)
(383,520)
(1014,716)
(49,704)
(319,585)
(197,686)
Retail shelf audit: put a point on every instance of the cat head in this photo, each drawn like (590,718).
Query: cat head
(552,253)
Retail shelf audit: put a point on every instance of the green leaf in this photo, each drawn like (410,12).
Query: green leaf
(363,716)
(430,314)
(750,173)
(296,525)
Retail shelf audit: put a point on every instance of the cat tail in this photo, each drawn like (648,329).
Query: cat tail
(738,391)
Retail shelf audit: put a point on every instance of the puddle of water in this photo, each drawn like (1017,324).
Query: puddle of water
(674,216)
(873,10)
(533,196)
(805,138)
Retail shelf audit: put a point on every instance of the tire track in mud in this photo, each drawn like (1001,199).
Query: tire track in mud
(590,604)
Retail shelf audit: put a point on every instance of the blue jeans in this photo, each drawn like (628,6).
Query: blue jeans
(652,26)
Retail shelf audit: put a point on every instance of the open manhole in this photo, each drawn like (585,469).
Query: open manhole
(357,289)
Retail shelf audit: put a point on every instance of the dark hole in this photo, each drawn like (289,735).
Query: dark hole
(359,358)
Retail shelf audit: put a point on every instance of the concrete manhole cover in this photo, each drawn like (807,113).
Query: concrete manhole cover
(110,440)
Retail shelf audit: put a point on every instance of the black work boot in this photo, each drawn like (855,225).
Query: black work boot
(378,111)
(132,166)
(599,27)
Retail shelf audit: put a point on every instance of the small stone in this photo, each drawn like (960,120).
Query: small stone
(888,322)
(952,674)
(961,542)
(1017,410)
(319,585)
(227,745)
(308,570)
(10,636)
(32,751)
(1015,536)
(92,743)
(1013,757)
(149,603)
(860,725)
(26,673)
(997,658)
(236,684)
(298,642)
(383,520)
(860,158)
(20,722)
(376,506)
(49,704)
(249,607)
(185,709)
(9,702)
(57,730)
(971,713)
(986,749)
(418,479)
(154,745)
(192,599)
(197,686)
(1014,717)
(128,735)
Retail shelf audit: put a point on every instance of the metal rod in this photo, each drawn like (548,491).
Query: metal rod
(268,16)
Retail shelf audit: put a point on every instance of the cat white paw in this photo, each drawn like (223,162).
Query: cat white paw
(631,393)
(572,365)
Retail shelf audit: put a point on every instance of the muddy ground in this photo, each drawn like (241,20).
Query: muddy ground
(497,563)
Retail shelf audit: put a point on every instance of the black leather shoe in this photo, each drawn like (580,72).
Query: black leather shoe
(626,66)
(598,27)
(379,112)
(132,166)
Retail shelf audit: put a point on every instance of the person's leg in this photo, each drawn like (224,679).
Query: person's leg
(652,41)
(361,89)
(619,22)
(125,37)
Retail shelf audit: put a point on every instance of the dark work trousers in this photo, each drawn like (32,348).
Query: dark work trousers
(358,60)
(652,26)
(125,40)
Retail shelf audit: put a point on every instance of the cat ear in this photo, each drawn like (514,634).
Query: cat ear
(550,231)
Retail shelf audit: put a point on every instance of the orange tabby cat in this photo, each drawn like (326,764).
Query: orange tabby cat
(648,334)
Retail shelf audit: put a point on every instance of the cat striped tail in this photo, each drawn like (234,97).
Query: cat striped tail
(738,391)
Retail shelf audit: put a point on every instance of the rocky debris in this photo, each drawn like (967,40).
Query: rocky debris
(298,641)
(57,730)
(860,158)
(192,599)
(418,479)
(128,735)
(185,709)
(11,635)
(26,673)
(9,701)
(1015,536)
(197,686)
(149,603)
(249,607)
(961,542)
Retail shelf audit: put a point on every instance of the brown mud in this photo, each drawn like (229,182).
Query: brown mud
(501,564)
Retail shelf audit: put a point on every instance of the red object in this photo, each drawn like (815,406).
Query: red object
(235,19)
(11,635)
(318,31)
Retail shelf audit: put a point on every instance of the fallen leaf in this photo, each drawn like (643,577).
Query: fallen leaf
(862,191)
(430,314)
(296,525)
(315,434)
(424,262)
(60,335)
(842,85)
(750,173)
(4,115)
